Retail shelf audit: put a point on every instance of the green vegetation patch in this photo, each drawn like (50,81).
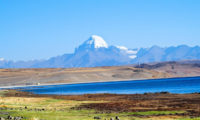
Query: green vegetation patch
(3,92)
(45,108)
(51,115)
(69,114)
(156,113)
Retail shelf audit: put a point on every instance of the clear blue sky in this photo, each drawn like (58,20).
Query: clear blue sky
(39,29)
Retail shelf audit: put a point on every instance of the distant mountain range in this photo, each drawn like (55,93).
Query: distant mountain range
(96,52)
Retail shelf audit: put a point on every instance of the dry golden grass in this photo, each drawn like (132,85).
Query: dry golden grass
(164,118)
(60,107)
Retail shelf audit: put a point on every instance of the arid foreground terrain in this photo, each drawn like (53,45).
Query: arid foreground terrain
(16,105)
(18,77)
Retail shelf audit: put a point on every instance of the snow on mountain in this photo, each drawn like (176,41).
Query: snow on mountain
(132,56)
(131,53)
(96,52)
(2,59)
(95,42)
(122,48)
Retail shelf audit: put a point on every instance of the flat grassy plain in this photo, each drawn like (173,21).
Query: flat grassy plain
(85,107)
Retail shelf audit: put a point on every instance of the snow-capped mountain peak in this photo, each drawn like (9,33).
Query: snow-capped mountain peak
(96,42)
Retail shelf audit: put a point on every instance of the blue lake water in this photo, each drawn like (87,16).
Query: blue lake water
(172,85)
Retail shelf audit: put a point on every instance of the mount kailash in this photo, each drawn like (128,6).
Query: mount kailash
(96,52)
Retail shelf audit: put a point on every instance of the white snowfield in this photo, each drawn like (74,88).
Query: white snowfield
(132,56)
(2,59)
(97,41)
(132,53)
(122,47)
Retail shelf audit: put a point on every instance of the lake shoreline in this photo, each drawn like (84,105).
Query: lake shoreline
(125,80)
(172,85)
(10,78)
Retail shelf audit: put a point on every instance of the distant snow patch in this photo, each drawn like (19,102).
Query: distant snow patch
(122,47)
(132,53)
(2,59)
(132,56)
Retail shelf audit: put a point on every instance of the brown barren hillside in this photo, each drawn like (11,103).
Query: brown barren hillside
(18,77)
